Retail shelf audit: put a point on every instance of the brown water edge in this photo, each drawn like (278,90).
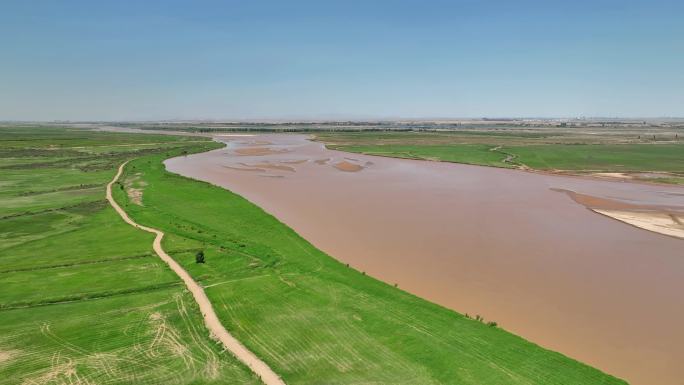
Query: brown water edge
(257,151)
(279,167)
(487,241)
(595,202)
(661,219)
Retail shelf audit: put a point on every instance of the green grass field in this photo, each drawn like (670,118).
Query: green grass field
(460,153)
(85,301)
(544,150)
(597,157)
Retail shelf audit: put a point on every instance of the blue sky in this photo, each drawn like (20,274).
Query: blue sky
(251,59)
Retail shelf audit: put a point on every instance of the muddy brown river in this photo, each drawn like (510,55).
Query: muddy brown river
(512,246)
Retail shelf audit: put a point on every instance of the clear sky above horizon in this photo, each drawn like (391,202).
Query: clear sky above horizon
(149,60)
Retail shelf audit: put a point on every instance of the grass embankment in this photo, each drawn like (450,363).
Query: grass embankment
(549,150)
(84,300)
(315,320)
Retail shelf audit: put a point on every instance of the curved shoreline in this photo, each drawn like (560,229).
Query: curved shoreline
(648,221)
(595,175)
(545,264)
(256,365)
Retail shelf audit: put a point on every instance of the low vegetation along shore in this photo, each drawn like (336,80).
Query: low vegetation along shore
(85,299)
(615,153)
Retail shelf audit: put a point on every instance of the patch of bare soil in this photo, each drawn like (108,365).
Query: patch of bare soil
(134,189)
(135,195)
(631,176)
(6,355)
(618,175)
(348,166)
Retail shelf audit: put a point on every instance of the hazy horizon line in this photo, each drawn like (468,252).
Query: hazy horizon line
(333,119)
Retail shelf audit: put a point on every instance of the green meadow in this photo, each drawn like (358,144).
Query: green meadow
(480,154)
(551,150)
(85,300)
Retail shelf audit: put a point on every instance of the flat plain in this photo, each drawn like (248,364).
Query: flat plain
(86,301)
(631,153)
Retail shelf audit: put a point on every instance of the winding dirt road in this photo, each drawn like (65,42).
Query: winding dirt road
(268,376)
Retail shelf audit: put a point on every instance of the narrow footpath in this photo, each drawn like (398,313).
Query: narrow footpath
(263,371)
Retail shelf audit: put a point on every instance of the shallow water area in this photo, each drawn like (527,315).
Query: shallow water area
(509,245)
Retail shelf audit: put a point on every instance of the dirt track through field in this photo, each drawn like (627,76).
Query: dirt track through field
(497,242)
(268,376)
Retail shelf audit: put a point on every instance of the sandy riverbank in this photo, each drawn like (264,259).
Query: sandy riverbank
(659,219)
(663,223)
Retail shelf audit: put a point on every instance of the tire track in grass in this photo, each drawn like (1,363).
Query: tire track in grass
(263,371)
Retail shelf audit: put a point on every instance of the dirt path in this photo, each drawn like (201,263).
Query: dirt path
(509,159)
(268,376)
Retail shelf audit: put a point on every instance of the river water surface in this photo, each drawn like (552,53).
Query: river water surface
(505,244)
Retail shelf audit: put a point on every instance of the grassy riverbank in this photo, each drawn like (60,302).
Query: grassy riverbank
(315,320)
(641,157)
